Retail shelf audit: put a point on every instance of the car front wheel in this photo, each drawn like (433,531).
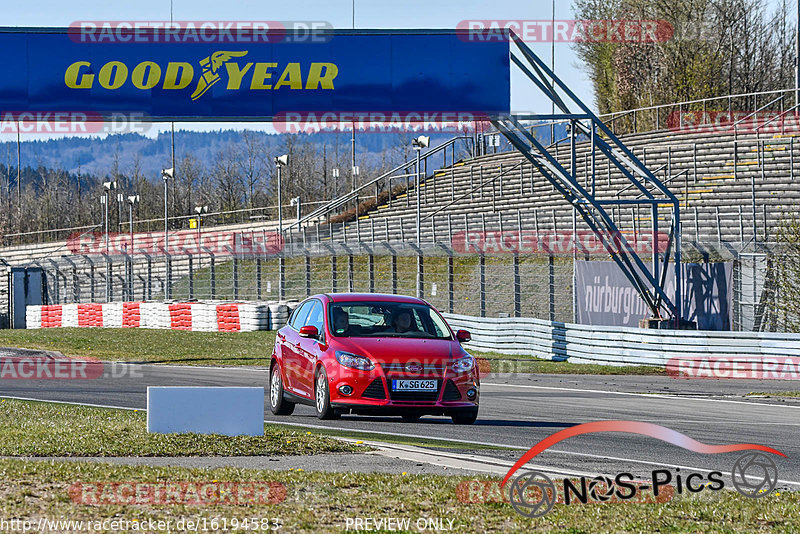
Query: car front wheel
(466,416)
(322,397)
(277,403)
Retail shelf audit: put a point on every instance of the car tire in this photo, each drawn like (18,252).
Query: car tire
(322,396)
(411,417)
(465,417)
(277,403)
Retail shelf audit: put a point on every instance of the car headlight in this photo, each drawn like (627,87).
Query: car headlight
(463,365)
(354,360)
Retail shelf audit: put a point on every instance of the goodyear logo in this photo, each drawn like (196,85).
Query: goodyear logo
(222,64)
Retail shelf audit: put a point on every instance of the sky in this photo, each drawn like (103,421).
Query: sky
(339,13)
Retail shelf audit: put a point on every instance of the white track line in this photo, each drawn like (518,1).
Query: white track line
(648,395)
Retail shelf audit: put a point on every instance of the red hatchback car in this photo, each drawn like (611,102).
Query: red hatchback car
(369,353)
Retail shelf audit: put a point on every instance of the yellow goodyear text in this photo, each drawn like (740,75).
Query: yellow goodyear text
(180,75)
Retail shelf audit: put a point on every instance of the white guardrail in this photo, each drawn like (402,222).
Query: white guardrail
(618,345)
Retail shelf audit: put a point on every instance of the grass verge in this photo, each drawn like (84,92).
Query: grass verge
(322,502)
(795,394)
(239,348)
(144,345)
(48,429)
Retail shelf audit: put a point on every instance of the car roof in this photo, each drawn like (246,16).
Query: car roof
(373,297)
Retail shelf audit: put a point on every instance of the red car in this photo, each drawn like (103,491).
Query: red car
(369,353)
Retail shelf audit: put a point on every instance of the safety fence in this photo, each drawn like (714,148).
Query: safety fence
(770,355)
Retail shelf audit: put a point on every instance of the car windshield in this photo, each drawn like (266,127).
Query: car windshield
(386,319)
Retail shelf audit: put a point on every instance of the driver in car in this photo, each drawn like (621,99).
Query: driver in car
(341,320)
(402,322)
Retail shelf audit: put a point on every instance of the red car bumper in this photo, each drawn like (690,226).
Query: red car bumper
(371,391)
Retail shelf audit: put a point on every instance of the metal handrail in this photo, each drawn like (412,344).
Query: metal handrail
(778,116)
(762,108)
(347,197)
(471,191)
(612,116)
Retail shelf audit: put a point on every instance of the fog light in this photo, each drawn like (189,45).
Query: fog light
(345,390)
(472,393)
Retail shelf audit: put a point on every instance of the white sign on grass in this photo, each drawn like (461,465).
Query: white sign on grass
(230,411)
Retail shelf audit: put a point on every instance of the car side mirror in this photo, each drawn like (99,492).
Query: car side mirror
(463,336)
(309,331)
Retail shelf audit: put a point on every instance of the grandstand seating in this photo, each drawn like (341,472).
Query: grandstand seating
(719,178)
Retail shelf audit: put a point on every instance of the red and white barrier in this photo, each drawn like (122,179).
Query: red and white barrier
(194,316)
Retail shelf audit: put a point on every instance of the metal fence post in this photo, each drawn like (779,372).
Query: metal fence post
(350,274)
(552,276)
(483,284)
(420,275)
(212,276)
(168,278)
(258,279)
(333,273)
(149,278)
(451,294)
(109,289)
(236,279)
(371,274)
(394,274)
(307,261)
(281,277)
(191,277)
(517,288)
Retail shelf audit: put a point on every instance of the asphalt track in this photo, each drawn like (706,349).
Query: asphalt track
(517,411)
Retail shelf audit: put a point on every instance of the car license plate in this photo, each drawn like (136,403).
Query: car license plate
(413,385)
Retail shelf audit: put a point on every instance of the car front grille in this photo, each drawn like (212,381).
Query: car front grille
(374,390)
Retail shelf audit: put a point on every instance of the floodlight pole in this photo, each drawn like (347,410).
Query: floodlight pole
(418,149)
(280,200)
(106,198)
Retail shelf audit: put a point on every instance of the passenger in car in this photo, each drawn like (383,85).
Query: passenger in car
(341,321)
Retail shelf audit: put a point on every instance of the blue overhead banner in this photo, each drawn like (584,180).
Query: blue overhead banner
(405,71)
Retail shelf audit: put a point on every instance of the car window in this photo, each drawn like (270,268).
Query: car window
(300,315)
(386,319)
(315,317)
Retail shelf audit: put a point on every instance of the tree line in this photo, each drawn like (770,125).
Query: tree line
(717,48)
(239,176)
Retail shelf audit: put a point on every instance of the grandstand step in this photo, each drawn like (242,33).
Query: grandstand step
(719,177)
(363,217)
(700,191)
(749,162)
(383,207)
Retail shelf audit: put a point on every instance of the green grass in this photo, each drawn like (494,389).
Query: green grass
(144,345)
(50,429)
(321,502)
(774,394)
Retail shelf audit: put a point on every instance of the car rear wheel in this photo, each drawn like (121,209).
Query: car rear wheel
(277,403)
(466,416)
(322,397)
